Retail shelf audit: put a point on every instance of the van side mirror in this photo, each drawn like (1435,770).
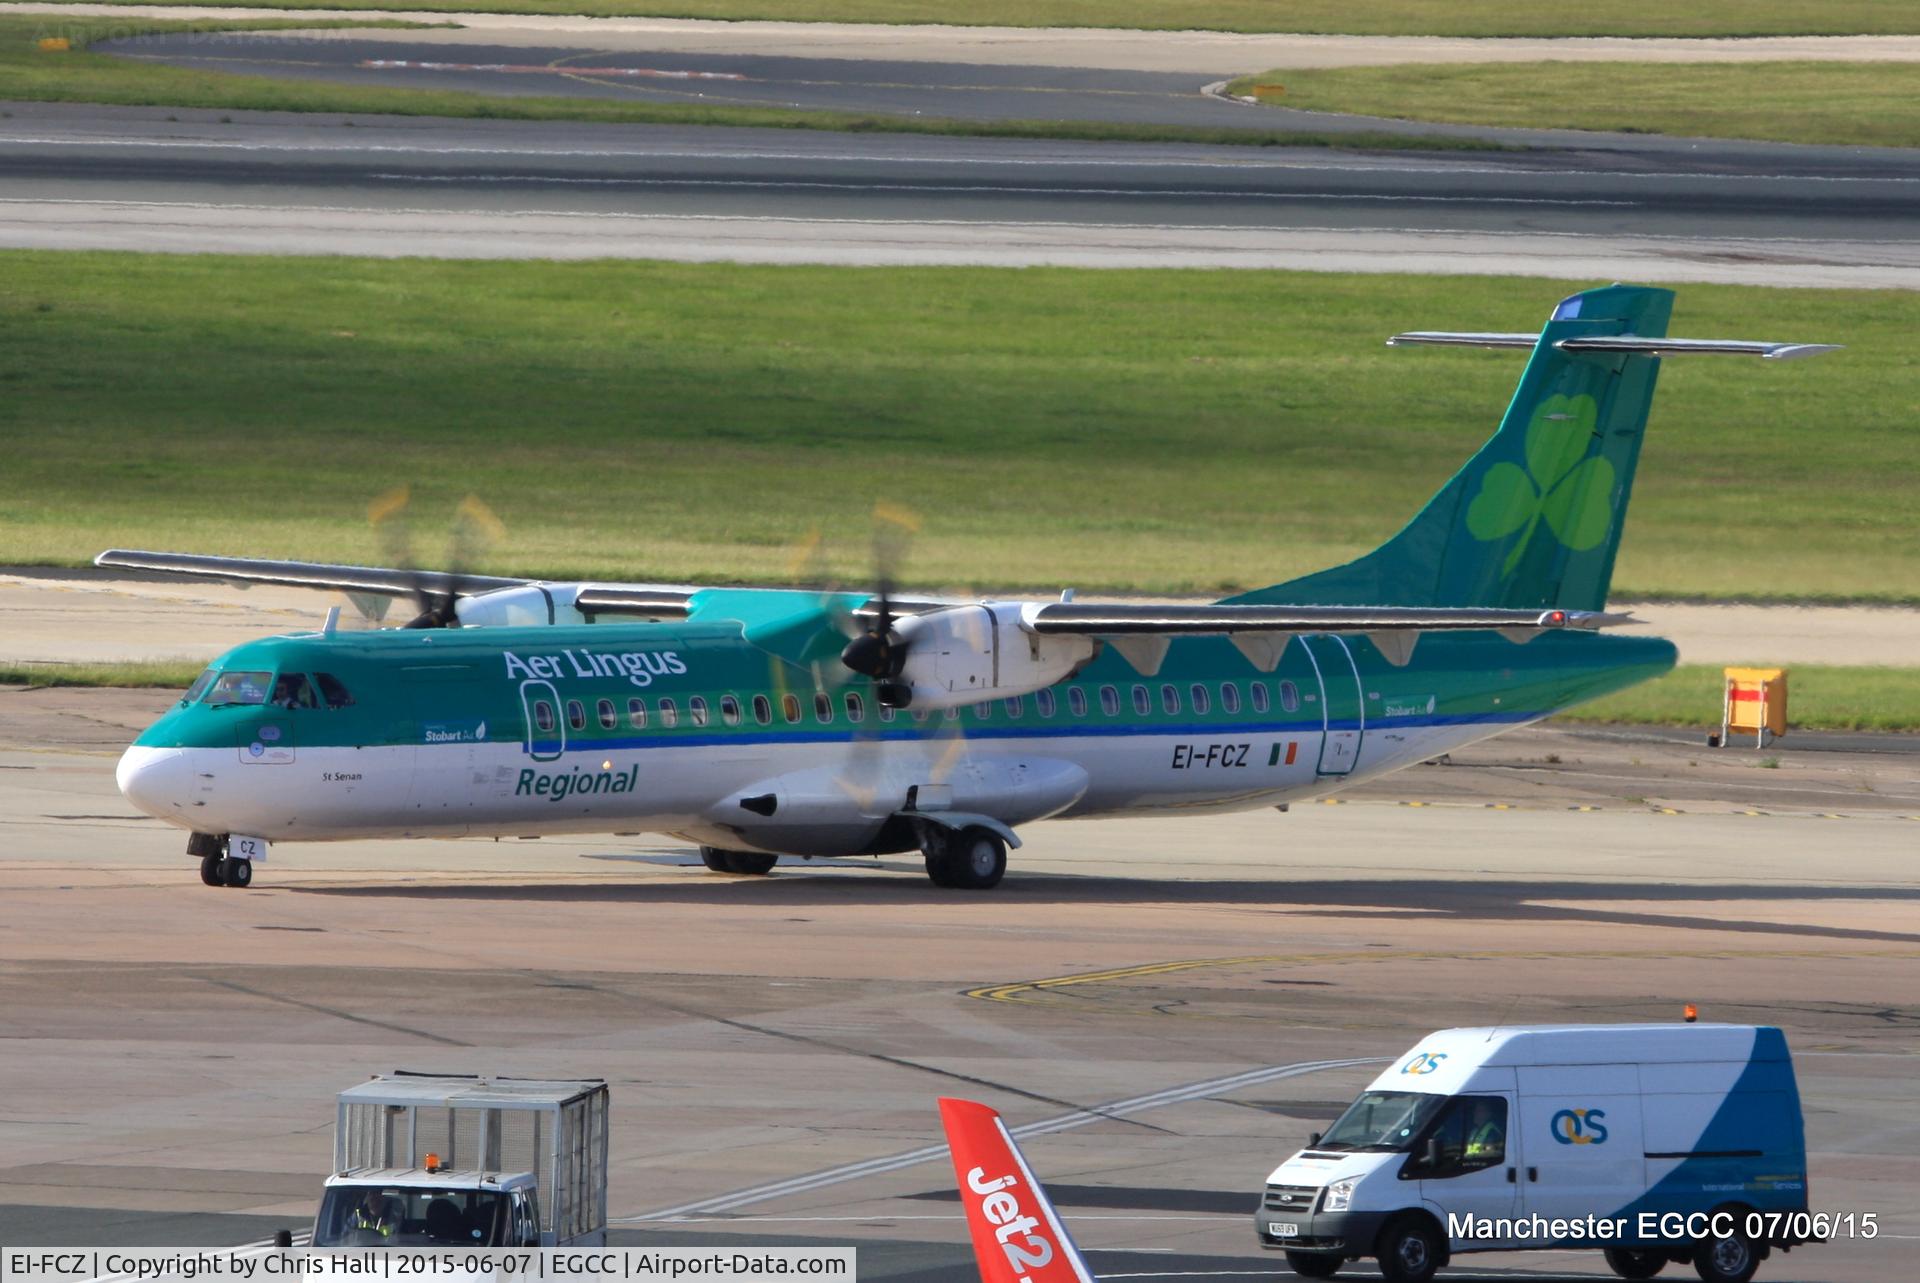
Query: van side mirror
(283,1238)
(1431,1155)
(1313,1140)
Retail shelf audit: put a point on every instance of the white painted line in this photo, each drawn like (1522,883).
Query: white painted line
(1063,1122)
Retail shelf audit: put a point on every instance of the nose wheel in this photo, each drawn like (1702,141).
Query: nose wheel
(217,868)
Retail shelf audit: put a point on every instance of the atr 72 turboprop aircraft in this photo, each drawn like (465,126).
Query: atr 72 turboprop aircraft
(761,723)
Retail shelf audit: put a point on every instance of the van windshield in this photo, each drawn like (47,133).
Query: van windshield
(1382,1120)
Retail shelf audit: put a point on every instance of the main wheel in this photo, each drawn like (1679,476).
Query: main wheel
(1726,1258)
(751,863)
(236,873)
(714,858)
(1313,1265)
(1635,1262)
(976,860)
(1408,1250)
(210,871)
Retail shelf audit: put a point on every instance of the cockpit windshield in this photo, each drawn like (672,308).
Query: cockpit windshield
(1382,1120)
(405,1216)
(242,687)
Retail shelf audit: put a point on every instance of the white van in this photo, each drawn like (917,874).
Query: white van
(1657,1144)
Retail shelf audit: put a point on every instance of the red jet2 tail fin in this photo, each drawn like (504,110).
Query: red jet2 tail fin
(1017,1238)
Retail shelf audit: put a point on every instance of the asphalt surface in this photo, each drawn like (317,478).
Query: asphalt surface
(775,1045)
(179,179)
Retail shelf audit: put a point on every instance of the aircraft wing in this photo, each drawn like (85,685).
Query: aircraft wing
(1017,1237)
(245,571)
(1119,619)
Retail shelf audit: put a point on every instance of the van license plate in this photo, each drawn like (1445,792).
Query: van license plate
(1283,1229)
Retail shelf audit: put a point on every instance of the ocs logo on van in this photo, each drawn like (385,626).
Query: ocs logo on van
(1424,1063)
(1579,1127)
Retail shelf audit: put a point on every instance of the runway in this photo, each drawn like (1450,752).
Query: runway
(1174,1003)
(137,178)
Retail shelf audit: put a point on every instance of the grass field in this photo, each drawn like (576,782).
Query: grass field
(28,73)
(1154,430)
(1819,698)
(1857,103)
(1375,17)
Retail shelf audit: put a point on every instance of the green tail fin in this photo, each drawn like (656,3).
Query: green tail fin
(1533,519)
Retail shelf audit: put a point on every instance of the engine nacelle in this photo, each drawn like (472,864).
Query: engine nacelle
(528,605)
(965,654)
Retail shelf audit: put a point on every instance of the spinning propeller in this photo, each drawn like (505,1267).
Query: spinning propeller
(435,593)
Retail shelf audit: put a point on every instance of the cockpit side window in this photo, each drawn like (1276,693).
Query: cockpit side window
(240,687)
(293,690)
(333,690)
(199,686)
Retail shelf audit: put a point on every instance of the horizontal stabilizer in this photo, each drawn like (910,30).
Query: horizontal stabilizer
(1630,344)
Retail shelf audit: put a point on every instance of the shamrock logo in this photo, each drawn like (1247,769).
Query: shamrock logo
(1574,493)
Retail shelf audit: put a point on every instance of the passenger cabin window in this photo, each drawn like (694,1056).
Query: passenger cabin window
(1259,692)
(1077,701)
(1169,699)
(543,715)
(1015,706)
(697,710)
(886,714)
(669,713)
(1229,697)
(293,690)
(240,688)
(856,707)
(1471,1133)
(1043,702)
(1142,700)
(822,707)
(1201,703)
(1110,701)
(609,718)
(576,714)
(637,714)
(333,690)
(1289,697)
(984,710)
(762,709)
(790,707)
(730,709)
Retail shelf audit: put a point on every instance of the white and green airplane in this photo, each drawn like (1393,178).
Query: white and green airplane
(761,723)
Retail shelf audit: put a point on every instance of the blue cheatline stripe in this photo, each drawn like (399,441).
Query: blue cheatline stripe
(937,728)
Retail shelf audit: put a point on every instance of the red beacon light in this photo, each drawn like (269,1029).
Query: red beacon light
(1690,1012)
(433,1160)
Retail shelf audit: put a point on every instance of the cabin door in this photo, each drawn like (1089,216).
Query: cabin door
(1344,714)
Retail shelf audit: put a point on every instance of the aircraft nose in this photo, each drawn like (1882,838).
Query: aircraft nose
(154,779)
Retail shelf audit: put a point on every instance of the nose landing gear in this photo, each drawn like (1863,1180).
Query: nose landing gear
(218,866)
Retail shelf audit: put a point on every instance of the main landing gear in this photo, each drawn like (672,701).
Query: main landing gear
(749,863)
(217,867)
(974,859)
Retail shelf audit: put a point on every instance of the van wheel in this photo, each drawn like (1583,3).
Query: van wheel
(1726,1258)
(1635,1262)
(1409,1251)
(1313,1265)
(751,863)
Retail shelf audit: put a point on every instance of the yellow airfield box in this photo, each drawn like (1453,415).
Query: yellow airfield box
(55,44)
(1756,700)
